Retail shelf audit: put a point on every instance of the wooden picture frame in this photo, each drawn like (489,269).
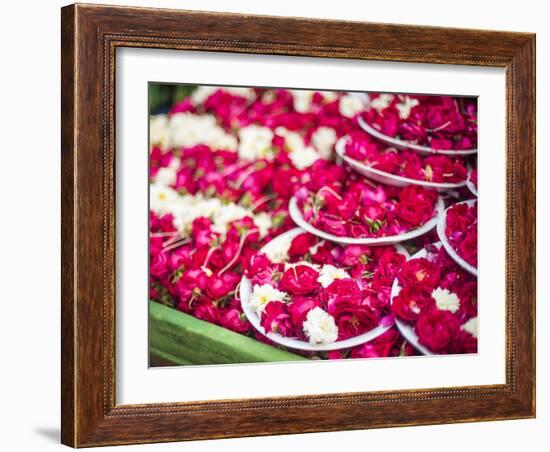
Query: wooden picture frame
(90,36)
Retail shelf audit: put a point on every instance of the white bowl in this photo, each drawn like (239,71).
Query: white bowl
(402,144)
(406,329)
(388,178)
(441,225)
(294,343)
(471,185)
(297,217)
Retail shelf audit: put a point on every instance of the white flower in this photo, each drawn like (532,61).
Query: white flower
(175,163)
(446,300)
(382,102)
(161,198)
(262,295)
(301,156)
(350,105)
(293,140)
(320,327)
(277,250)
(304,158)
(471,326)
(165,176)
(159,132)
(405,107)
(188,129)
(329,273)
(263,223)
(202,93)
(302,100)
(255,143)
(323,139)
(329,96)
(226,214)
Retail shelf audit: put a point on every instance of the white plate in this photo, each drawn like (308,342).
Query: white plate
(407,330)
(298,344)
(402,144)
(388,178)
(297,217)
(441,225)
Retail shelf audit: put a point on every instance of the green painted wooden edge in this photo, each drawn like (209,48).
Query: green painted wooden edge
(186,339)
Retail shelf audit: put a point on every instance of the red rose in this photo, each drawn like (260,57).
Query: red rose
(299,308)
(463,342)
(235,320)
(467,293)
(390,262)
(348,206)
(342,291)
(254,263)
(205,309)
(276,319)
(387,344)
(220,286)
(436,329)
(300,280)
(159,265)
(419,273)
(353,320)
(411,302)
(414,214)
(457,219)
(467,248)
(416,205)
(301,244)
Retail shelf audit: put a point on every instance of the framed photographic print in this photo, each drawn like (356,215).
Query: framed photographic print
(282,225)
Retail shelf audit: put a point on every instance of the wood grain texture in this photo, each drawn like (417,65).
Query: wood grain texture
(90,36)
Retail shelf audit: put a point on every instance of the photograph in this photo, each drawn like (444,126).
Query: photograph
(303,224)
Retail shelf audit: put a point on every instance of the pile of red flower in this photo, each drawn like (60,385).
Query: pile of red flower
(435,168)
(224,164)
(440,122)
(461,230)
(439,299)
(354,207)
